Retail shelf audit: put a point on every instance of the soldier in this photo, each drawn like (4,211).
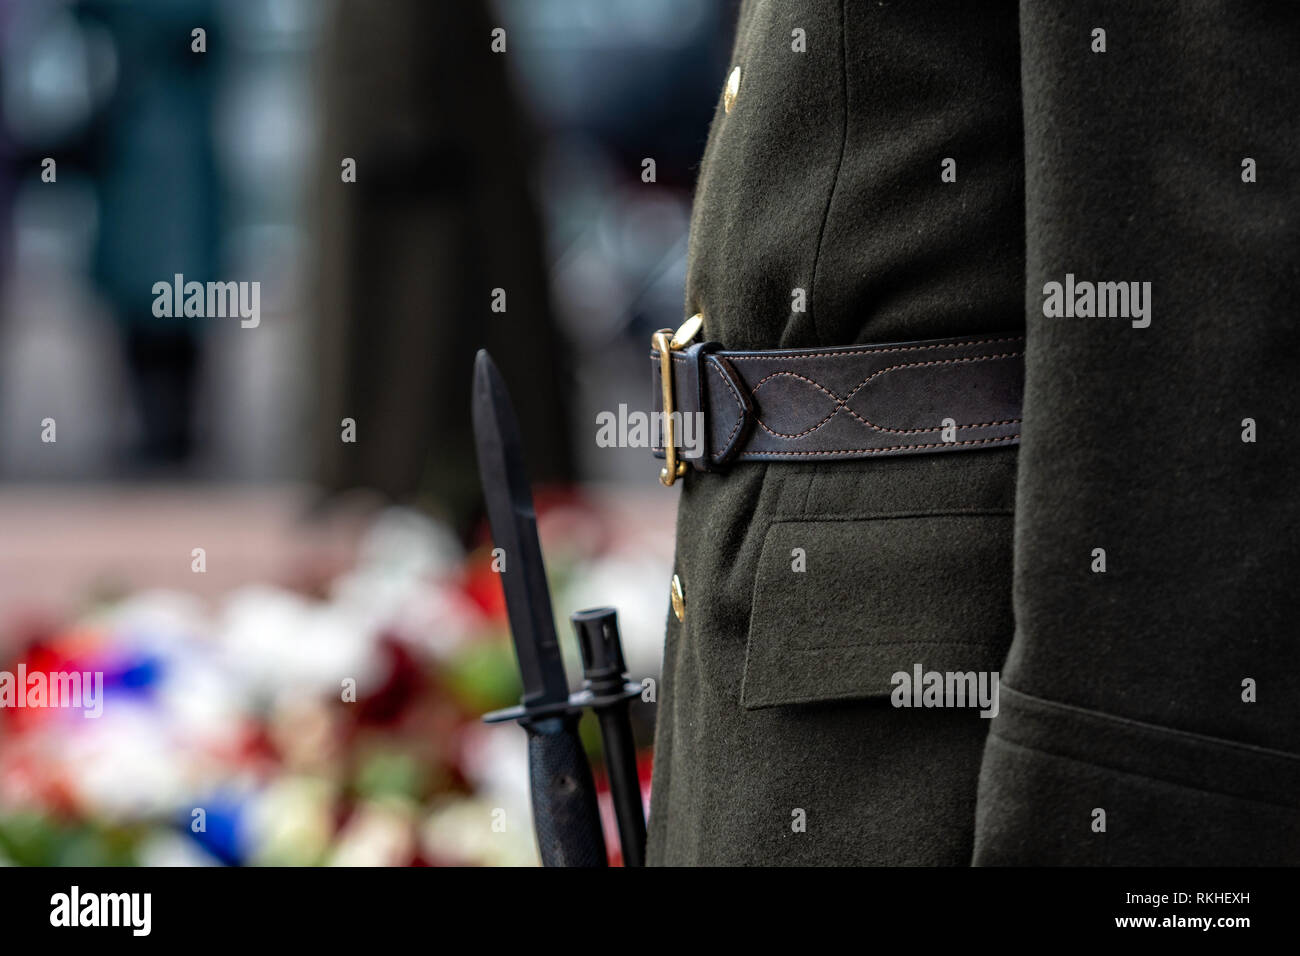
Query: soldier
(1115,553)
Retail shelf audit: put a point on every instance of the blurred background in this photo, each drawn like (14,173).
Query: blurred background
(235,523)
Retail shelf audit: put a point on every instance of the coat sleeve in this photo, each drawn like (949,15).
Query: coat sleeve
(1149,712)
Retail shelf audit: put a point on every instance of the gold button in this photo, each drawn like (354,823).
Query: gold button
(679,599)
(732,91)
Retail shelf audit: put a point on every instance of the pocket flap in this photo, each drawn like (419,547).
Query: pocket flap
(840,606)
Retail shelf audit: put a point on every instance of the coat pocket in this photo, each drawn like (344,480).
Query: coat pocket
(840,606)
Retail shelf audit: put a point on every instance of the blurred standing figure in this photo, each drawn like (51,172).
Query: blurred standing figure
(151,152)
(438,227)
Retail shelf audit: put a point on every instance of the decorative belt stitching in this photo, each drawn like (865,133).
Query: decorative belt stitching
(842,404)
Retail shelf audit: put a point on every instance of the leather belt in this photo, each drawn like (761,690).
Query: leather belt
(829,404)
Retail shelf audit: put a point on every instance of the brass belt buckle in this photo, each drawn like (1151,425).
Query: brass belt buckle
(666,341)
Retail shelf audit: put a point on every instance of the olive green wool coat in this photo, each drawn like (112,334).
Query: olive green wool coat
(1147,711)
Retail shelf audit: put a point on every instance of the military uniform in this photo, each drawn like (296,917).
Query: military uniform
(1126,570)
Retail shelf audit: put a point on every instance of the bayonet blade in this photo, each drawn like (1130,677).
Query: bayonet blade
(514,530)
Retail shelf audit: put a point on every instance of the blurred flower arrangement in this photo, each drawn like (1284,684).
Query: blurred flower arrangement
(332,724)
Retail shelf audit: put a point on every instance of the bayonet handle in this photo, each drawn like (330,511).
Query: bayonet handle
(565,812)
